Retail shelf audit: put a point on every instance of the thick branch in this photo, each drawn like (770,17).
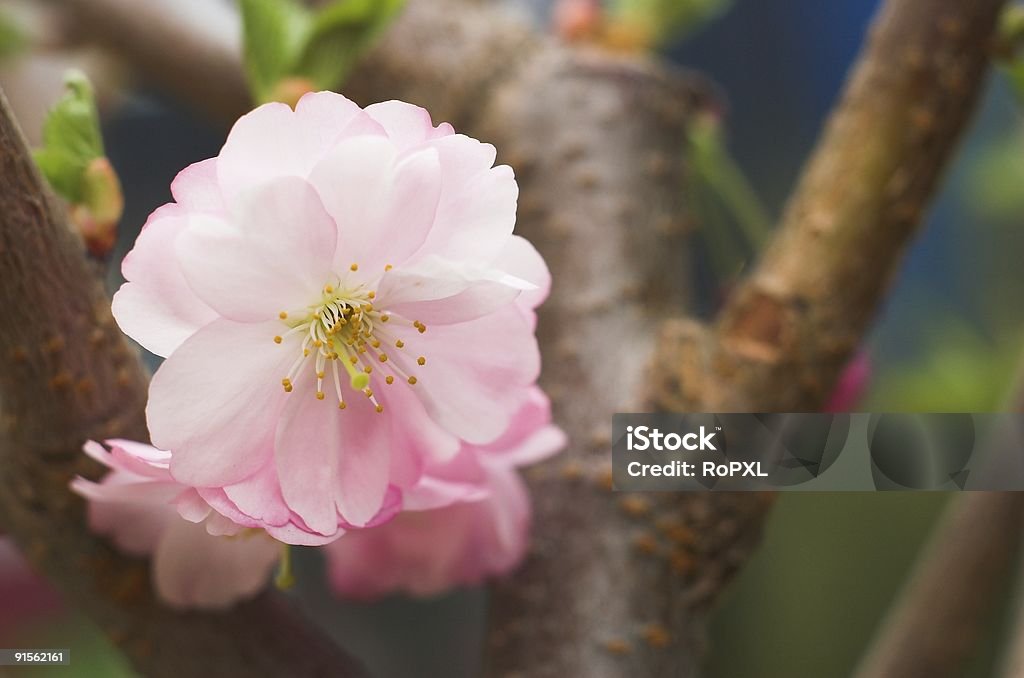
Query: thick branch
(934,626)
(788,330)
(66,375)
(192,48)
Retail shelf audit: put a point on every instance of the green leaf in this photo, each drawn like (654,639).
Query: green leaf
(283,41)
(71,138)
(275,34)
(63,170)
(340,34)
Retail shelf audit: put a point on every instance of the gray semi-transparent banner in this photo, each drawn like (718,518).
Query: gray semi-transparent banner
(818,452)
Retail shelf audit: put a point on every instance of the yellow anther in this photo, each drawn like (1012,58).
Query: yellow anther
(379,408)
(400,344)
(368,392)
(328,289)
(342,405)
(352,359)
(354,267)
(389,379)
(283,315)
(320,395)
(388,267)
(287,388)
(368,369)
(383,357)
(371,294)
(422,328)
(412,380)
(421,361)
(319,375)
(375,343)
(384,318)
(278,339)
(305,352)
(318,343)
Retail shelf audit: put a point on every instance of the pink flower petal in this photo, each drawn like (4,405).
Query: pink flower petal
(384,206)
(475,374)
(332,461)
(437,291)
(477,208)
(407,126)
(215,401)
(193,569)
(259,496)
(521,259)
(275,141)
(255,270)
(156,307)
(196,189)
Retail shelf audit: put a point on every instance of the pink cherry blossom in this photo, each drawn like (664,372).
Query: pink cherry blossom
(26,596)
(853,382)
(210,563)
(446,539)
(341,302)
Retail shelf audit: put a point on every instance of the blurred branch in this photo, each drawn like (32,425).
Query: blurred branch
(66,375)
(934,626)
(191,48)
(788,330)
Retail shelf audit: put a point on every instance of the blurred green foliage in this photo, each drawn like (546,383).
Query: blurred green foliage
(668,20)
(733,222)
(92,653)
(957,370)
(997,180)
(285,40)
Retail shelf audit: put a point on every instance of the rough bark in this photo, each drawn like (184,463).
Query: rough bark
(936,623)
(67,375)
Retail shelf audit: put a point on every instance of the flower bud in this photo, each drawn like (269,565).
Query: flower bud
(97,216)
(290,90)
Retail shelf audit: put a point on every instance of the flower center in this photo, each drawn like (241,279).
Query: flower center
(344,331)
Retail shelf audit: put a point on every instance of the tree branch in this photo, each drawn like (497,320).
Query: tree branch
(191,48)
(788,330)
(934,626)
(66,375)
